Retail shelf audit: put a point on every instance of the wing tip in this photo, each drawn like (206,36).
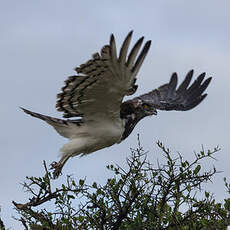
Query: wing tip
(191,72)
(201,76)
(148,44)
(142,55)
(124,47)
(208,80)
(174,75)
(146,47)
(130,33)
(112,39)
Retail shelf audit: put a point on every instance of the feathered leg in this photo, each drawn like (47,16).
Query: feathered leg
(75,147)
(57,166)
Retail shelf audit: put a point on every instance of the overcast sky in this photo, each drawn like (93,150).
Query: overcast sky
(42,41)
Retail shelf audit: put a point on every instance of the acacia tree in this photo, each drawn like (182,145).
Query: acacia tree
(140,196)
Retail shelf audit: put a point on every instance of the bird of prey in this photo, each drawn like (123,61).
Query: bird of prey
(94,98)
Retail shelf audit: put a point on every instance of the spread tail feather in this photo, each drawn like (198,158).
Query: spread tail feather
(63,127)
(45,118)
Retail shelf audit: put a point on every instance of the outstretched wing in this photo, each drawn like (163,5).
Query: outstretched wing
(185,97)
(103,81)
(166,97)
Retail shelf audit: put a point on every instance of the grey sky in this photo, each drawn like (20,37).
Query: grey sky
(42,41)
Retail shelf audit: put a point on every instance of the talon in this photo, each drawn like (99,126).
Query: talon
(57,166)
(54,165)
(57,172)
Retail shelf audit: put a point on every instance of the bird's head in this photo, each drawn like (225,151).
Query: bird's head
(144,108)
(138,109)
(132,111)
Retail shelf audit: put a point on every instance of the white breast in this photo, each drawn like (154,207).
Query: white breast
(94,135)
(108,131)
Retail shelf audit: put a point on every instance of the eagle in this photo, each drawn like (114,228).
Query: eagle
(92,100)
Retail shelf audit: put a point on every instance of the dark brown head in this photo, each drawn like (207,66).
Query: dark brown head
(137,109)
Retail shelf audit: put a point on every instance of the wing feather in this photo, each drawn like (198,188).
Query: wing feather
(113,49)
(124,48)
(103,81)
(182,88)
(196,84)
(172,85)
(186,97)
(141,58)
(134,52)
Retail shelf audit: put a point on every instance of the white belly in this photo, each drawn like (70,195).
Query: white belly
(106,131)
(95,136)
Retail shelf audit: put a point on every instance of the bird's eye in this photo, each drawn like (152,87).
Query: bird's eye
(145,106)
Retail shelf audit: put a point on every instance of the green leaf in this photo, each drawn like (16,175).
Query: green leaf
(94,185)
(81,182)
(71,197)
(197,169)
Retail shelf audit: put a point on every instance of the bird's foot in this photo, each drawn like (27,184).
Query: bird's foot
(57,167)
